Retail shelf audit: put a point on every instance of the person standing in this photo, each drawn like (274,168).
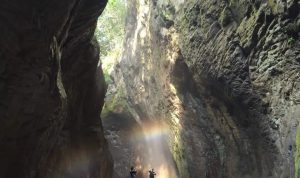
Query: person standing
(152,173)
(132,172)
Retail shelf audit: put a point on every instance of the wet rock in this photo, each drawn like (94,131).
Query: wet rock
(222,72)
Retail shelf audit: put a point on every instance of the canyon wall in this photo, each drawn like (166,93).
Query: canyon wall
(51,90)
(224,75)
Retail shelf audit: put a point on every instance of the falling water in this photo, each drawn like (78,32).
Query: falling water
(152,151)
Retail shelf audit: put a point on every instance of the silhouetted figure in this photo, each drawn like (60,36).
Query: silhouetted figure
(132,172)
(152,173)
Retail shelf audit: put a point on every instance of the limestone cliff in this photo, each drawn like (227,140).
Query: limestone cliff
(224,75)
(51,90)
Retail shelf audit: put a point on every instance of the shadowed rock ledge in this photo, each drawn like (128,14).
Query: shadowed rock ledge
(51,90)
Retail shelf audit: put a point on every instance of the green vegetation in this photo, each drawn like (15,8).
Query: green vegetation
(107,77)
(110,29)
(110,33)
(178,153)
(117,103)
(177,146)
(291,40)
(246,28)
(273,5)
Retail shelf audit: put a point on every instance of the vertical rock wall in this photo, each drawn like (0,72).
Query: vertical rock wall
(51,91)
(224,75)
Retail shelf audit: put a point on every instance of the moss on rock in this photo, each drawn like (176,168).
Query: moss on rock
(117,103)
(226,17)
(273,5)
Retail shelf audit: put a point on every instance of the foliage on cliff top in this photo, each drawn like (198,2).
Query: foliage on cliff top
(110,29)
(110,34)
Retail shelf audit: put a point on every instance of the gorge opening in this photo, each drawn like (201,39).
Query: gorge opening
(191,88)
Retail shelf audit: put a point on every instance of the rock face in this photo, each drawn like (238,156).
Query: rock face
(51,90)
(224,76)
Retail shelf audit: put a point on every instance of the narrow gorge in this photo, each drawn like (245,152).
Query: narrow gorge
(195,89)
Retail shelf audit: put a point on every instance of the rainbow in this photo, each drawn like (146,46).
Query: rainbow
(150,131)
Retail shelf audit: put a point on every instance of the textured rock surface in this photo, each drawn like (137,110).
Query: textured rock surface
(224,75)
(51,91)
